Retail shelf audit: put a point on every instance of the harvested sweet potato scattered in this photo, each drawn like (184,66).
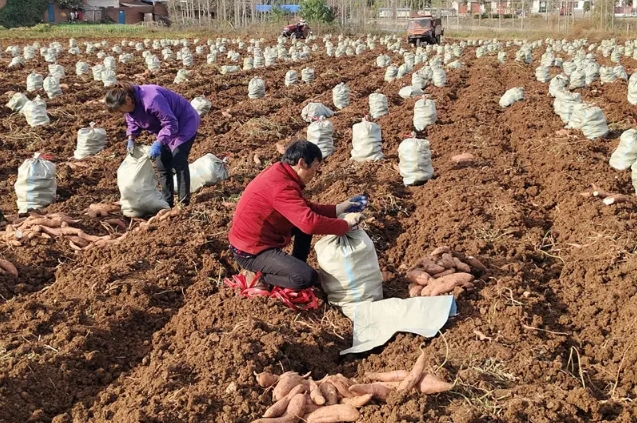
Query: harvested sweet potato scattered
(51,223)
(377,390)
(329,392)
(266,379)
(285,385)
(8,267)
(463,158)
(446,261)
(441,250)
(443,274)
(296,408)
(462,267)
(430,384)
(429,266)
(418,276)
(278,408)
(358,401)
(414,375)
(334,413)
(341,385)
(475,263)
(415,289)
(315,393)
(395,376)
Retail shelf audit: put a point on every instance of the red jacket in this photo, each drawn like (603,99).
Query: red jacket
(271,205)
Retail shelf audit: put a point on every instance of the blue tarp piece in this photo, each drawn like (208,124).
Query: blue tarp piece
(292,8)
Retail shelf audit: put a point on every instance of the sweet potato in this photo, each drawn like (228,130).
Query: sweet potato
(296,408)
(395,376)
(377,390)
(310,407)
(341,385)
(446,261)
(358,401)
(443,274)
(51,223)
(462,267)
(475,263)
(329,392)
(429,266)
(265,379)
(116,222)
(75,246)
(463,158)
(441,250)
(7,266)
(285,385)
(334,413)
(278,408)
(93,238)
(430,384)
(418,276)
(315,393)
(447,284)
(79,241)
(414,375)
(414,290)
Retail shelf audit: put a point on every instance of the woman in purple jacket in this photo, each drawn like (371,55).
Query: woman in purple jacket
(168,115)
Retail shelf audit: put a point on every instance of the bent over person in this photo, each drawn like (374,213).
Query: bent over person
(169,116)
(272,210)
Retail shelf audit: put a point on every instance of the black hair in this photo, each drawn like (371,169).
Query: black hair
(302,149)
(116,96)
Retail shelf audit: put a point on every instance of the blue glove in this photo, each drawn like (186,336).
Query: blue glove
(361,204)
(155,150)
(130,145)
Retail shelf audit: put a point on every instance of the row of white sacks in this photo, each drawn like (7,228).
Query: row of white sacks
(36,184)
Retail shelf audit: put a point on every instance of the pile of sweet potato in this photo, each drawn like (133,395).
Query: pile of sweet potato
(59,225)
(336,398)
(442,271)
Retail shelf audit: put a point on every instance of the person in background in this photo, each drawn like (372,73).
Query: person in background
(272,210)
(168,115)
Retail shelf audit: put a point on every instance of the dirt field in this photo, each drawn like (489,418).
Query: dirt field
(145,331)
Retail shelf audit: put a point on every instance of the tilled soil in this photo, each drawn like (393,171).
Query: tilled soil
(145,331)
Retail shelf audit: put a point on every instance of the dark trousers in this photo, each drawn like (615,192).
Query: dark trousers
(281,269)
(177,160)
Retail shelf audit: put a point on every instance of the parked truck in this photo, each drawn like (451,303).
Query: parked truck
(424,29)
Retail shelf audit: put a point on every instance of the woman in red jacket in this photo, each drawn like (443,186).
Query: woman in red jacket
(272,210)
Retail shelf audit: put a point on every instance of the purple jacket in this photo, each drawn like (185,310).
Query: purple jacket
(162,112)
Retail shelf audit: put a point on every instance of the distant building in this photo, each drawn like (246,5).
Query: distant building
(118,11)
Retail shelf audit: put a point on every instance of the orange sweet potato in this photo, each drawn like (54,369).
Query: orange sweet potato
(315,393)
(445,273)
(448,283)
(377,390)
(7,266)
(278,408)
(414,375)
(285,385)
(358,401)
(462,267)
(266,379)
(418,276)
(334,413)
(430,384)
(429,266)
(395,376)
(414,290)
(329,392)
(446,261)
(296,408)
(440,251)
(475,263)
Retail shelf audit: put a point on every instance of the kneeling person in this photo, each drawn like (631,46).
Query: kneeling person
(272,210)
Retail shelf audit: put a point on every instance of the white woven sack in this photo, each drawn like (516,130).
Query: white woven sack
(543,74)
(390,73)
(206,171)
(349,270)
(564,103)
(291,78)
(17,102)
(632,89)
(97,72)
(109,78)
(224,70)
(439,77)
(90,141)
(202,105)
(35,112)
(312,111)
(378,105)
(366,141)
(511,96)
(340,95)
(57,71)
(425,113)
(626,152)
(589,119)
(51,85)
(410,91)
(578,79)
(414,164)
(137,185)
(256,88)
(418,80)
(82,68)
(321,133)
(607,75)
(558,83)
(620,72)
(307,75)
(35,186)
(633,176)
